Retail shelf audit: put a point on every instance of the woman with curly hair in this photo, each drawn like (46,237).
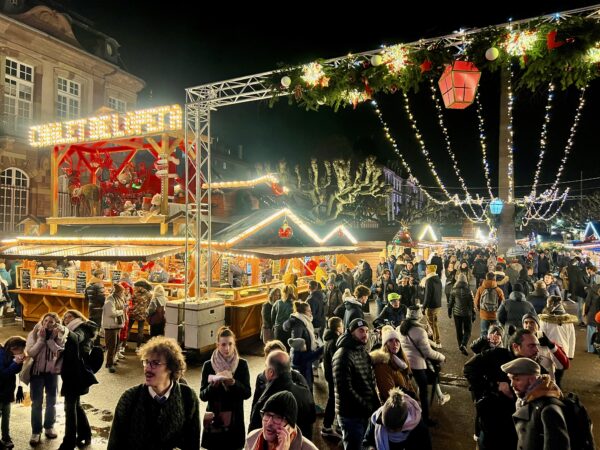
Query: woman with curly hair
(161,412)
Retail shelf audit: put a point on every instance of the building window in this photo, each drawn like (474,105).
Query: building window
(117,105)
(14,198)
(68,99)
(18,96)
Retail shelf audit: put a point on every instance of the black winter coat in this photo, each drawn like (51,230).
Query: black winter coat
(437,260)
(316,300)
(483,371)
(231,399)
(433,293)
(365,276)
(95,296)
(408,295)
(461,300)
(304,399)
(261,384)
(353,311)
(355,394)
(8,376)
(330,339)
(391,316)
(333,300)
(576,280)
(480,268)
(76,379)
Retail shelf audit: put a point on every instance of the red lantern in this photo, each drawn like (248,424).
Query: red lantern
(459,83)
(285,231)
(277,189)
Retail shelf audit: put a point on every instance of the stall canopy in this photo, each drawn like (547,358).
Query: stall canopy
(296,252)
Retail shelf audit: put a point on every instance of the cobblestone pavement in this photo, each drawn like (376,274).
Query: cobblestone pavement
(455,419)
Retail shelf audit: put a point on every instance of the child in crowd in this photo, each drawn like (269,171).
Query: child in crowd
(12,355)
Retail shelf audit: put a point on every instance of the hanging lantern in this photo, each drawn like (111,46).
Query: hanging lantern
(459,83)
(285,231)
(496,206)
(277,189)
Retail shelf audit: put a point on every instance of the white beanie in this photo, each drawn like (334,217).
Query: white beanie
(387,333)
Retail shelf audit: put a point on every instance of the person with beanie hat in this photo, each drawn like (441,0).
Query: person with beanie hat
(511,312)
(391,366)
(279,430)
(355,393)
(415,344)
(397,425)
(493,339)
(393,314)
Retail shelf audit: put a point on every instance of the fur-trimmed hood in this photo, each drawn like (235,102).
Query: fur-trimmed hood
(380,357)
(545,388)
(501,278)
(559,319)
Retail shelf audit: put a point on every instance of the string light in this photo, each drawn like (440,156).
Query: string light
(519,43)
(313,74)
(482,143)
(543,138)
(593,54)
(477,217)
(396,58)
(108,126)
(509,139)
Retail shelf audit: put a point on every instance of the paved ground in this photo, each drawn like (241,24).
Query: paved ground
(454,431)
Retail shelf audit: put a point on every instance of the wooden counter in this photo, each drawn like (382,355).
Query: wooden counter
(243,314)
(37,302)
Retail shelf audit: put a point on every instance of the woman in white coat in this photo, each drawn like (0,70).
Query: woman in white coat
(113,317)
(415,343)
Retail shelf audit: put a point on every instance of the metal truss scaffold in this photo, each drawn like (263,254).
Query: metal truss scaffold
(204,99)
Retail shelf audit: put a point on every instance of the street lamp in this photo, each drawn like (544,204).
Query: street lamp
(496,206)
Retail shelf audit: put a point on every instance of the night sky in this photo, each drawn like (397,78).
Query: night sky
(174,45)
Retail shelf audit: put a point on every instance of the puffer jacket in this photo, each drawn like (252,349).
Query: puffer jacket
(95,295)
(461,300)
(330,338)
(45,352)
(411,331)
(353,311)
(511,311)
(298,329)
(355,394)
(503,283)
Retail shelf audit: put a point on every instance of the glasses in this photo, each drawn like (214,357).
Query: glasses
(276,419)
(153,364)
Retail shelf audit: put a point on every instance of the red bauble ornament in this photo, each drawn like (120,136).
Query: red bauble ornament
(277,189)
(285,231)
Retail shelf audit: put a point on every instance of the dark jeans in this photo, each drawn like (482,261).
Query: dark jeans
(140,331)
(330,408)
(282,335)
(157,330)
(353,431)
(5,413)
(421,380)
(558,374)
(77,427)
(463,329)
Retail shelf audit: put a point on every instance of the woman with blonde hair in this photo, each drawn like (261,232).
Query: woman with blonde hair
(282,310)
(156,311)
(225,385)
(44,344)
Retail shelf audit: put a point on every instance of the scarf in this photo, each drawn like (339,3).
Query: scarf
(400,363)
(309,326)
(73,324)
(220,363)
(383,436)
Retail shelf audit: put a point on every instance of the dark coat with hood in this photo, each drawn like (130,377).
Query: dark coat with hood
(95,296)
(333,299)
(511,311)
(576,280)
(353,311)
(433,292)
(364,276)
(503,282)
(8,376)
(330,337)
(540,422)
(76,379)
(538,299)
(461,301)
(304,399)
(355,393)
(316,300)
(230,399)
(391,316)
(526,281)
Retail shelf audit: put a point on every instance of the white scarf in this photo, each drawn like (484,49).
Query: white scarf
(73,324)
(309,326)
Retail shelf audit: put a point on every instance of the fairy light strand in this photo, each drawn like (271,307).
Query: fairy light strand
(483,145)
(543,139)
(509,139)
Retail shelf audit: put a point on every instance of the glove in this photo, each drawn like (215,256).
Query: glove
(546,342)
(20,396)
(450,313)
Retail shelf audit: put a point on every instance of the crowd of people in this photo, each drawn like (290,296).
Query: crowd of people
(381,373)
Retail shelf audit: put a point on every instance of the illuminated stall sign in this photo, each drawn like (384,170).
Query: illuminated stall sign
(108,126)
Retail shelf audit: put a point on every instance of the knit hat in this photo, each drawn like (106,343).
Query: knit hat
(298,344)
(394,411)
(356,324)
(393,296)
(414,313)
(283,404)
(533,317)
(495,329)
(388,333)
(431,268)
(521,366)
(517,287)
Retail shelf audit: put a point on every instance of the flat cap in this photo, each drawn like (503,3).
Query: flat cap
(521,366)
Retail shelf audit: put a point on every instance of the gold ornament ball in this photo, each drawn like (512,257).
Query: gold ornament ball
(376,60)
(492,54)
(286,81)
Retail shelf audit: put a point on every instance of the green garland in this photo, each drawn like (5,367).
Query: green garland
(354,79)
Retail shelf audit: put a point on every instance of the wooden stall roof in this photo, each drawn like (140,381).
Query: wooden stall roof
(90,252)
(295,252)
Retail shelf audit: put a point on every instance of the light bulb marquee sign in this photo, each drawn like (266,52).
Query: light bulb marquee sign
(108,126)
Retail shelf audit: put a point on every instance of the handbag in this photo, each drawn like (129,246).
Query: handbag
(219,425)
(25,374)
(433,368)
(158,317)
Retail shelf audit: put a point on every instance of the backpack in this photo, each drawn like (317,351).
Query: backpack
(158,316)
(489,300)
(579,424)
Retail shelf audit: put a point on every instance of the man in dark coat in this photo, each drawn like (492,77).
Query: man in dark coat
(355,395)
(279,378)
(539,418)
(432,300)
(95,296)
(316,300)
(479,269)
(543,265)
(382,288)
(437,261)
(333,299)
(577,282)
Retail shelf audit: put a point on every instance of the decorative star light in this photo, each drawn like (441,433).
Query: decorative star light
(519,43)
(396,57)
(313,74)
